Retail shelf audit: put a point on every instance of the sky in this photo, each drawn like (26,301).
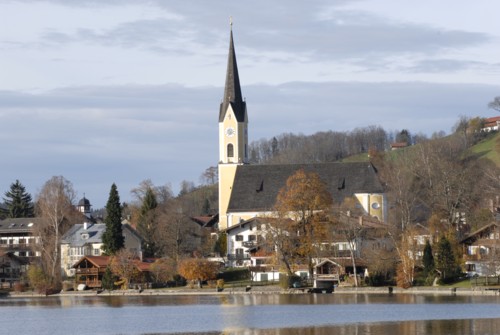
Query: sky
(120,91)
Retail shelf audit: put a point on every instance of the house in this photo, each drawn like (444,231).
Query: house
(398,145)
(19,237)
(481,250)
(491,124)
(89,270)
(247,191)
(243,240)
(247,248)
(327,274)
(12,268)
(86,240)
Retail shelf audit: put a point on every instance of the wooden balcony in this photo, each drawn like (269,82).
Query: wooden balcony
(87,271)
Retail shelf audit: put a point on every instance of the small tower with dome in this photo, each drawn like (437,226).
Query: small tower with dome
(84,206)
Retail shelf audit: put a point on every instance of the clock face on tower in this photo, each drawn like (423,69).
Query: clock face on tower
(230,132)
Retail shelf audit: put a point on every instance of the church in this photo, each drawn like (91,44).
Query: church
(247,191)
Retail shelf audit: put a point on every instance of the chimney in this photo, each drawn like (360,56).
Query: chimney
(85,225)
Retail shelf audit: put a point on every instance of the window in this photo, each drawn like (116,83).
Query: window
(230,150)
(239,251)
(97,252)
(252,237)
(239,238)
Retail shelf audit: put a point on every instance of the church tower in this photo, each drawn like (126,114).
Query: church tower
(233,133)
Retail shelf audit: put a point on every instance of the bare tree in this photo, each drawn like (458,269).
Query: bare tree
(55,204)
(495,104)
(210,176)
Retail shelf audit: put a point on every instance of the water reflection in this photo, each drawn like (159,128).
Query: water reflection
(253,314)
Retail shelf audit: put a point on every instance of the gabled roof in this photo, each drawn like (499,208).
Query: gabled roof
(206,221)
(102,262)
(98,261)
(256,187)
(477,233)
(232,89)
(78,236)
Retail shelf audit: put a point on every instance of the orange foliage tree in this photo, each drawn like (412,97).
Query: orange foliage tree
(163,269)
(303,200)
(197,269)
(123,264)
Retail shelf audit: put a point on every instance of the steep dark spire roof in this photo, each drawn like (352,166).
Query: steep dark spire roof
(232,90)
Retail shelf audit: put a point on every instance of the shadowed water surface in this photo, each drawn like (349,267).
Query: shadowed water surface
(252,314)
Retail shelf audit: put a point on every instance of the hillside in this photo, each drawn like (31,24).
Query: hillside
(488,148)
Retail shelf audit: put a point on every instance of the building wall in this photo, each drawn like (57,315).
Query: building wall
(374,204)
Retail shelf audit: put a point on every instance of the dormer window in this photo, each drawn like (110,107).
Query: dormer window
(85,236)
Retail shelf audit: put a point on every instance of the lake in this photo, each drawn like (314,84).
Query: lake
(283,314)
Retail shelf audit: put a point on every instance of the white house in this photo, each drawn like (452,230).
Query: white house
(86,240)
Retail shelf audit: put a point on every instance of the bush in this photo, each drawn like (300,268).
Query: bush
(287,281)
(234,274)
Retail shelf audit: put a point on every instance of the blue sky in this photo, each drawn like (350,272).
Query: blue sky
(122,91)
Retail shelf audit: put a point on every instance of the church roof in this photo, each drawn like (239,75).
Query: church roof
(232,89)
(256,187)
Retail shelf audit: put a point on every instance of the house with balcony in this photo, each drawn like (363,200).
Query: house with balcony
(89,271)
(481,251)
(18,247)
(86,240)
(242,242)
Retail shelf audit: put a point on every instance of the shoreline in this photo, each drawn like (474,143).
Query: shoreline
(257,290)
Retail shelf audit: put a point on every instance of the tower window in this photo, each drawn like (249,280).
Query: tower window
(230,150)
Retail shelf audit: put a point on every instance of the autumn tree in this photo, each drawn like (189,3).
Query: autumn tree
(55,205)
(123,265)
(38,279)
(163,270)
(18,202)
(303,200)
(112,238)
(148,223)
(198,269)
(407,250)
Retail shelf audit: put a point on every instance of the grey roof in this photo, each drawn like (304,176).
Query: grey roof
(256,187)
(18,225)
(77,236)
(232,89)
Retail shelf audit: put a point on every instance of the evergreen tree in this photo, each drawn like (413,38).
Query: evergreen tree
(108,279)
(205,210)
(428,259)
(112,238)
(18,202)
(445,261)
(147,223)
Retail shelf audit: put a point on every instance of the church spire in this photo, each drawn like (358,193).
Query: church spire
(232,89)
